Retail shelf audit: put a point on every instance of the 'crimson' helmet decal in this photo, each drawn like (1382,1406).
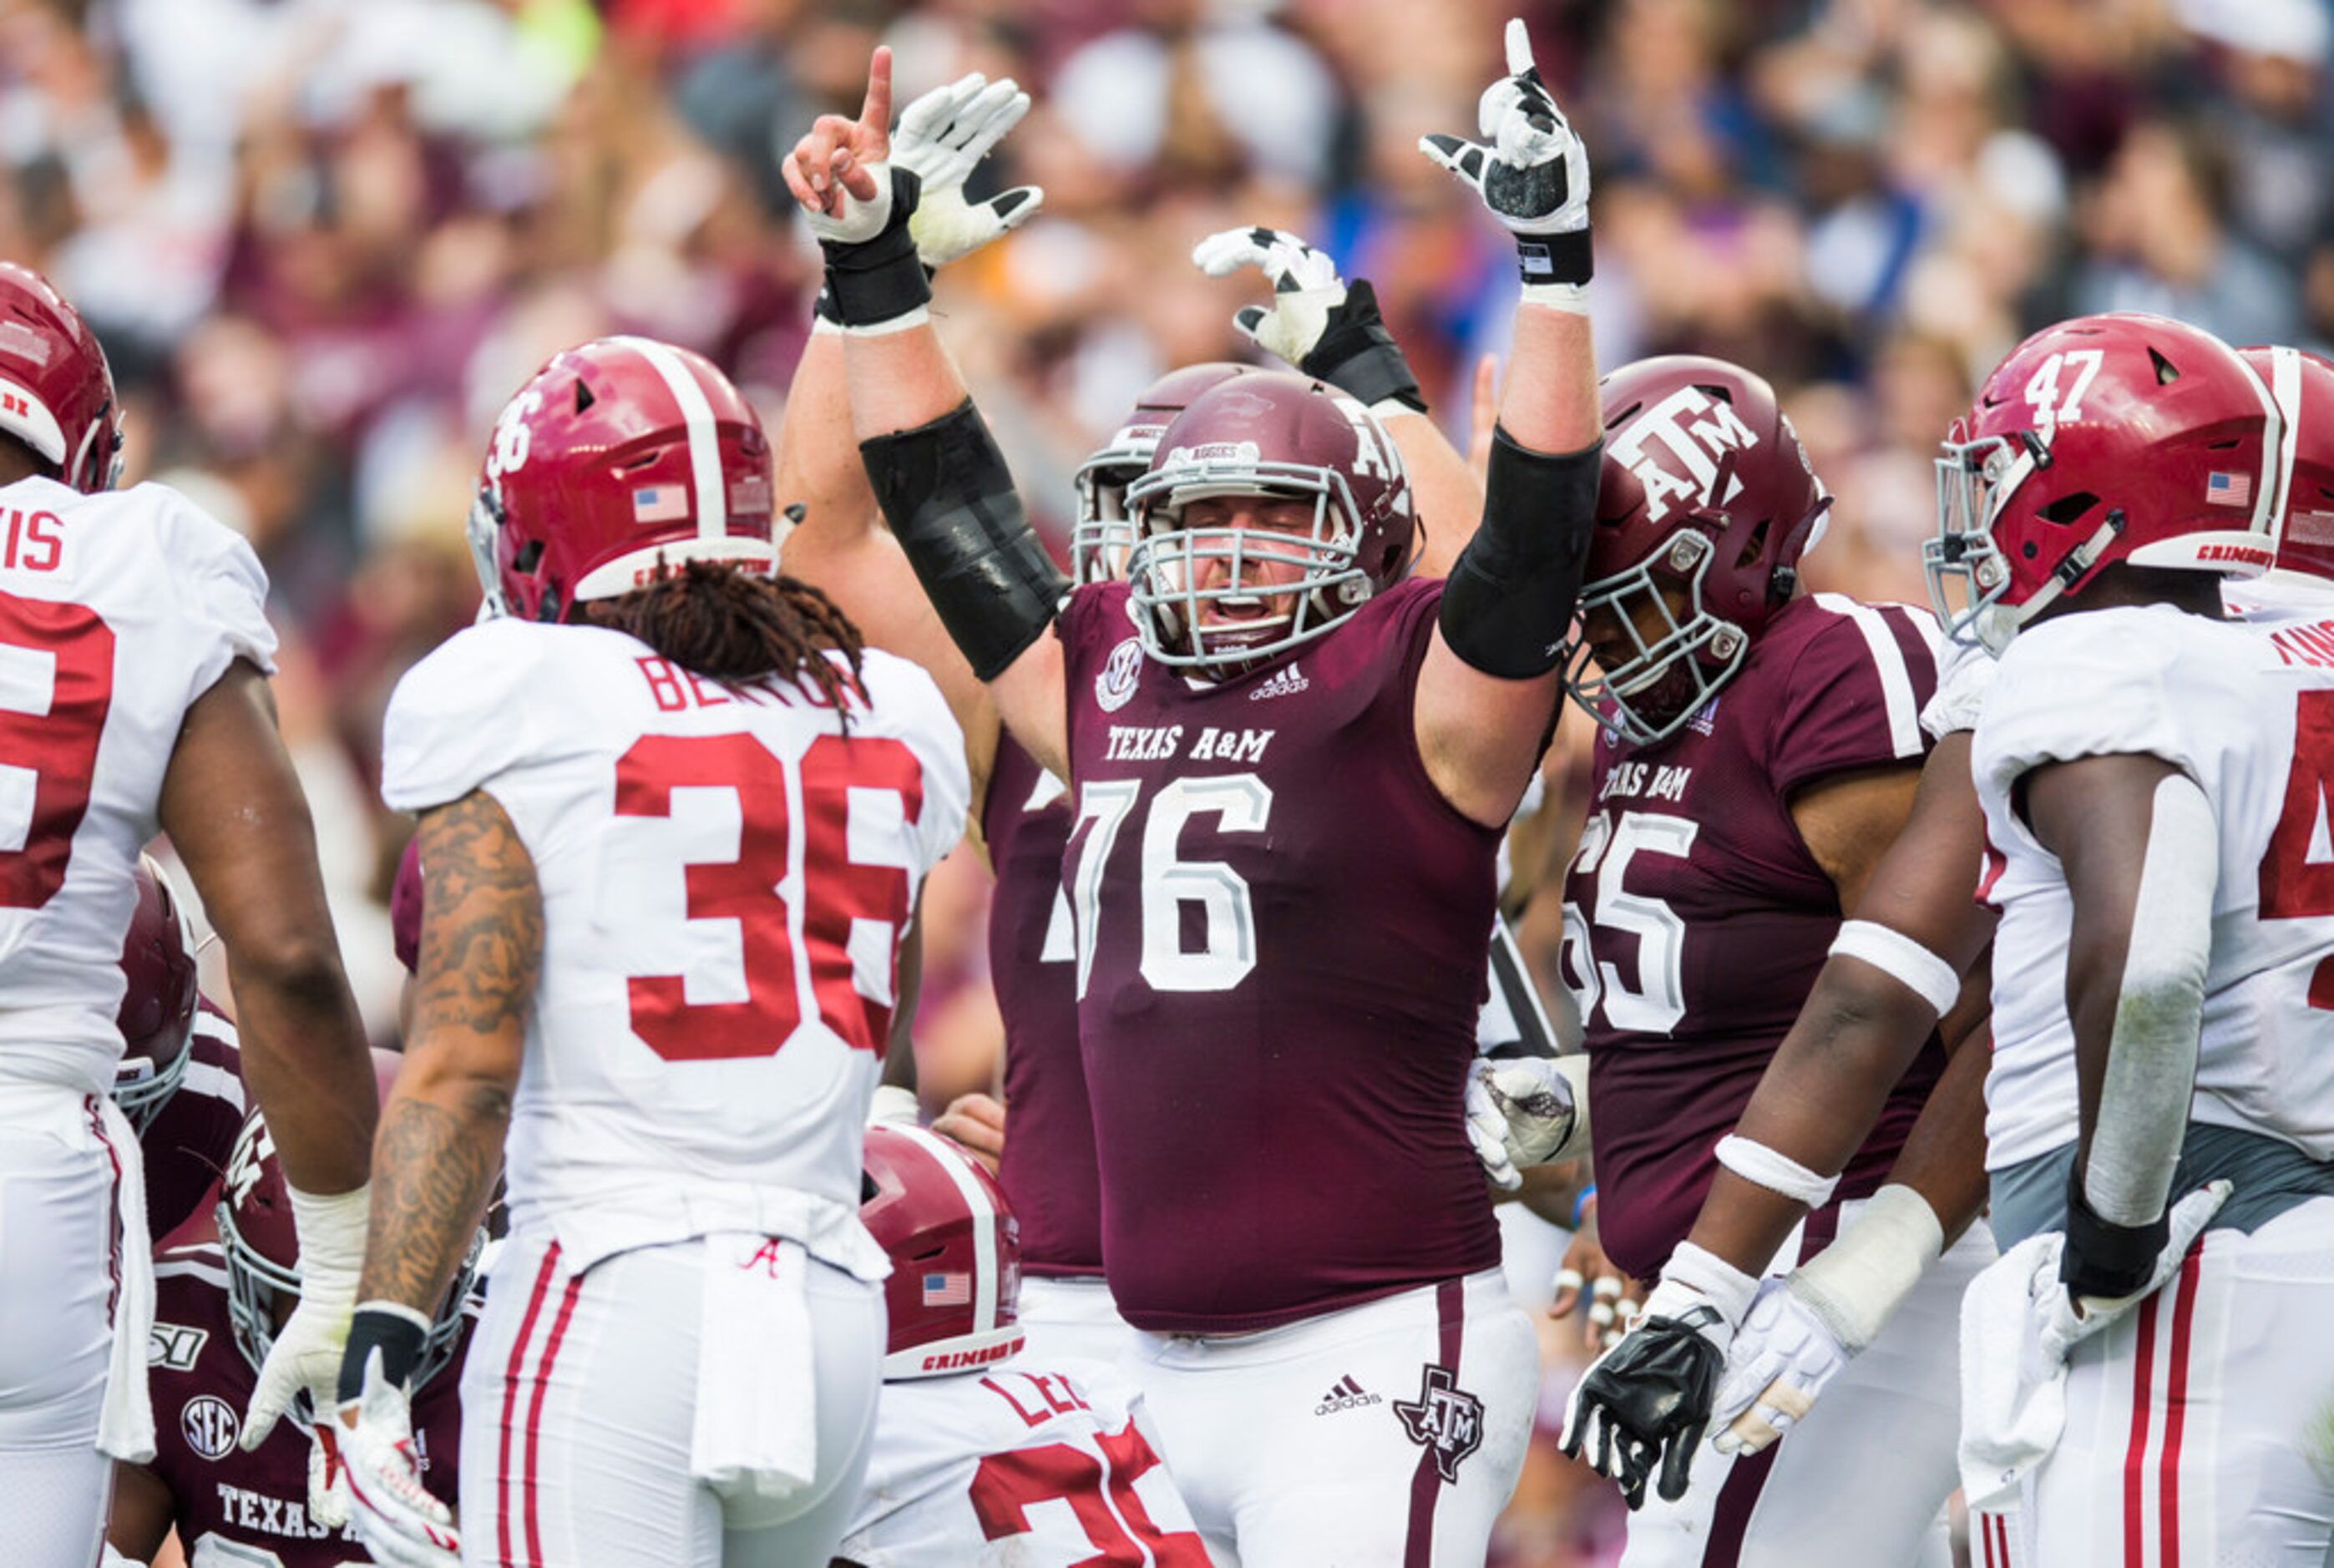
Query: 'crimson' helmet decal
(954,1294)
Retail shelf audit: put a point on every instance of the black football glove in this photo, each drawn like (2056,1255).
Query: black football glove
(1645,1403)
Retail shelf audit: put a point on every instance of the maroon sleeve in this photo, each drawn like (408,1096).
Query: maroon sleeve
(405,908)
(1855,695)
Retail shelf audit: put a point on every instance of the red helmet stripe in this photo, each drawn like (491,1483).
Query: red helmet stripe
(984,1221)
(704,443)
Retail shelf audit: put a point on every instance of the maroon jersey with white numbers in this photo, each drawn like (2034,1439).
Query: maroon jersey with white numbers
(187,1145)
(257,1500)
(1284,934)
(1695,918)
(1047,1169)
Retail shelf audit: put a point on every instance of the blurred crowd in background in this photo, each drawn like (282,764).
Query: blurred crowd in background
(325,239)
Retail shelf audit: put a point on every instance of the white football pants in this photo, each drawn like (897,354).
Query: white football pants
(1385,1436)
(1073,1319)
(579,1400)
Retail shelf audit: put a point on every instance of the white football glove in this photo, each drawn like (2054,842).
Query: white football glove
(1305,287)
(2059,1321)
(1782,1359)
(942,137)
(394,1515)
(306,1354)
(1532,173)
(1519,1111)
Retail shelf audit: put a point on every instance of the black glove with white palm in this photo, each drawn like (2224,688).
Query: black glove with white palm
(1324,326)
(1642,1406)
(1531,172)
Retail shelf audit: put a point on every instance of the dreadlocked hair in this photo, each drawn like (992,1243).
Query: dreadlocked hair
(720,621)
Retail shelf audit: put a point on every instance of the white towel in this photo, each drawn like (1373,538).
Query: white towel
(125,1424)
(756,1428)
(2013,1386)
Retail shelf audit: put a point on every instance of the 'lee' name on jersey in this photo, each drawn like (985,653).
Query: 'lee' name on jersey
(1664,782)
(1157,743)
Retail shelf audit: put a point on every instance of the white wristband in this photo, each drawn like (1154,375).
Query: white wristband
(1855,1285)
(1774,1170)
(1699,1269)
(331,1232)
(1902,960)
(899,324)
(895,1105)
(1572,299)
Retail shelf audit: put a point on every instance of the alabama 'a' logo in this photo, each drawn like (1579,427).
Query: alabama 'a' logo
(1445,1420)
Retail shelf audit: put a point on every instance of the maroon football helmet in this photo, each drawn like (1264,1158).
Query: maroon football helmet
(1104,531)
(2303,385)
(618,459)
(262,1247)
(955,1290)
(1706,497)
(2112,437)
(1279,436)
(156,1019)
(56,390)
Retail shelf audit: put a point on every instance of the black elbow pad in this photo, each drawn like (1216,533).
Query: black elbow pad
(1507,608)
(946,493)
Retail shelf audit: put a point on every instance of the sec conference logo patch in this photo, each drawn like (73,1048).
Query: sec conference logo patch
(209,1425)
(1114,687)
(1445,1420)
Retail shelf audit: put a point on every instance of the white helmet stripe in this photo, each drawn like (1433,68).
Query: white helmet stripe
(2269,492)
(984,1222)
(704,445)
(2285,388)
(30,420)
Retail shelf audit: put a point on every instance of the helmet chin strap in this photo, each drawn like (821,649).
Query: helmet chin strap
(2072,568)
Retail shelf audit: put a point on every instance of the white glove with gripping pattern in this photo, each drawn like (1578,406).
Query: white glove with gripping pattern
(1783,1358)
(394,1515)
(1529,169)
(1305,287)
(1519,1112)
(306,1354)
(941,138)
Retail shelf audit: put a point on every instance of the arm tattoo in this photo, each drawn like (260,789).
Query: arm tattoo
(441,1135)
(482,920)
(433,1169)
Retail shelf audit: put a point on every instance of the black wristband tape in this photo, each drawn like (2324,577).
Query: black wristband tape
(1507,606)
(1557,258)
(880,280)
(1358,356)
(2103,1259)
(398,1339)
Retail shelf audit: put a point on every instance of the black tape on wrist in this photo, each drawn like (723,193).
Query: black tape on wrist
(2103,1259)
(1507,608)
(1358,356)
(946,491)
(880,280)
(1557,258)
(398,1339)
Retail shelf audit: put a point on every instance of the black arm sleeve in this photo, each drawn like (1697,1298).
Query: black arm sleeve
(1508,607)
(945,490)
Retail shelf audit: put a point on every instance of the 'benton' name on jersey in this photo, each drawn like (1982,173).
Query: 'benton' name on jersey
(1157,743)
(2311,645)
(1665,783)
(675,689)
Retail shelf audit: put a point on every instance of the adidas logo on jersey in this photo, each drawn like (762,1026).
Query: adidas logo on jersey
(1347,1395)
(1704,722)
(1286,681)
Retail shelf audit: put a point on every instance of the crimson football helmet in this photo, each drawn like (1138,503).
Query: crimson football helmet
(2302,383)
(1704,505)
(618,459)
(156,1019)
(1104,531)
(2110,438)
(262,1247)
(1279,436)
(56,390)
(954,1294)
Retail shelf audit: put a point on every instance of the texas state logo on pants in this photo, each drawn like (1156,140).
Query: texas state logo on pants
(1391,1433)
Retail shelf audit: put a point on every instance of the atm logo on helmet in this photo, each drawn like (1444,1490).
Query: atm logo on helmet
(1699,432)
(243,1167)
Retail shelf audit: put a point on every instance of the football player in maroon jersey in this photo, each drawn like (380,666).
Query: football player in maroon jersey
(1759,751)
(223,1289)
(180,1080)
(1292,768)
(1871,1010)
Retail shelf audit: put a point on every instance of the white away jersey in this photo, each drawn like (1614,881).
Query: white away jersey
(726,874)
(2246,708)
(116,613)
(1016,1468)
